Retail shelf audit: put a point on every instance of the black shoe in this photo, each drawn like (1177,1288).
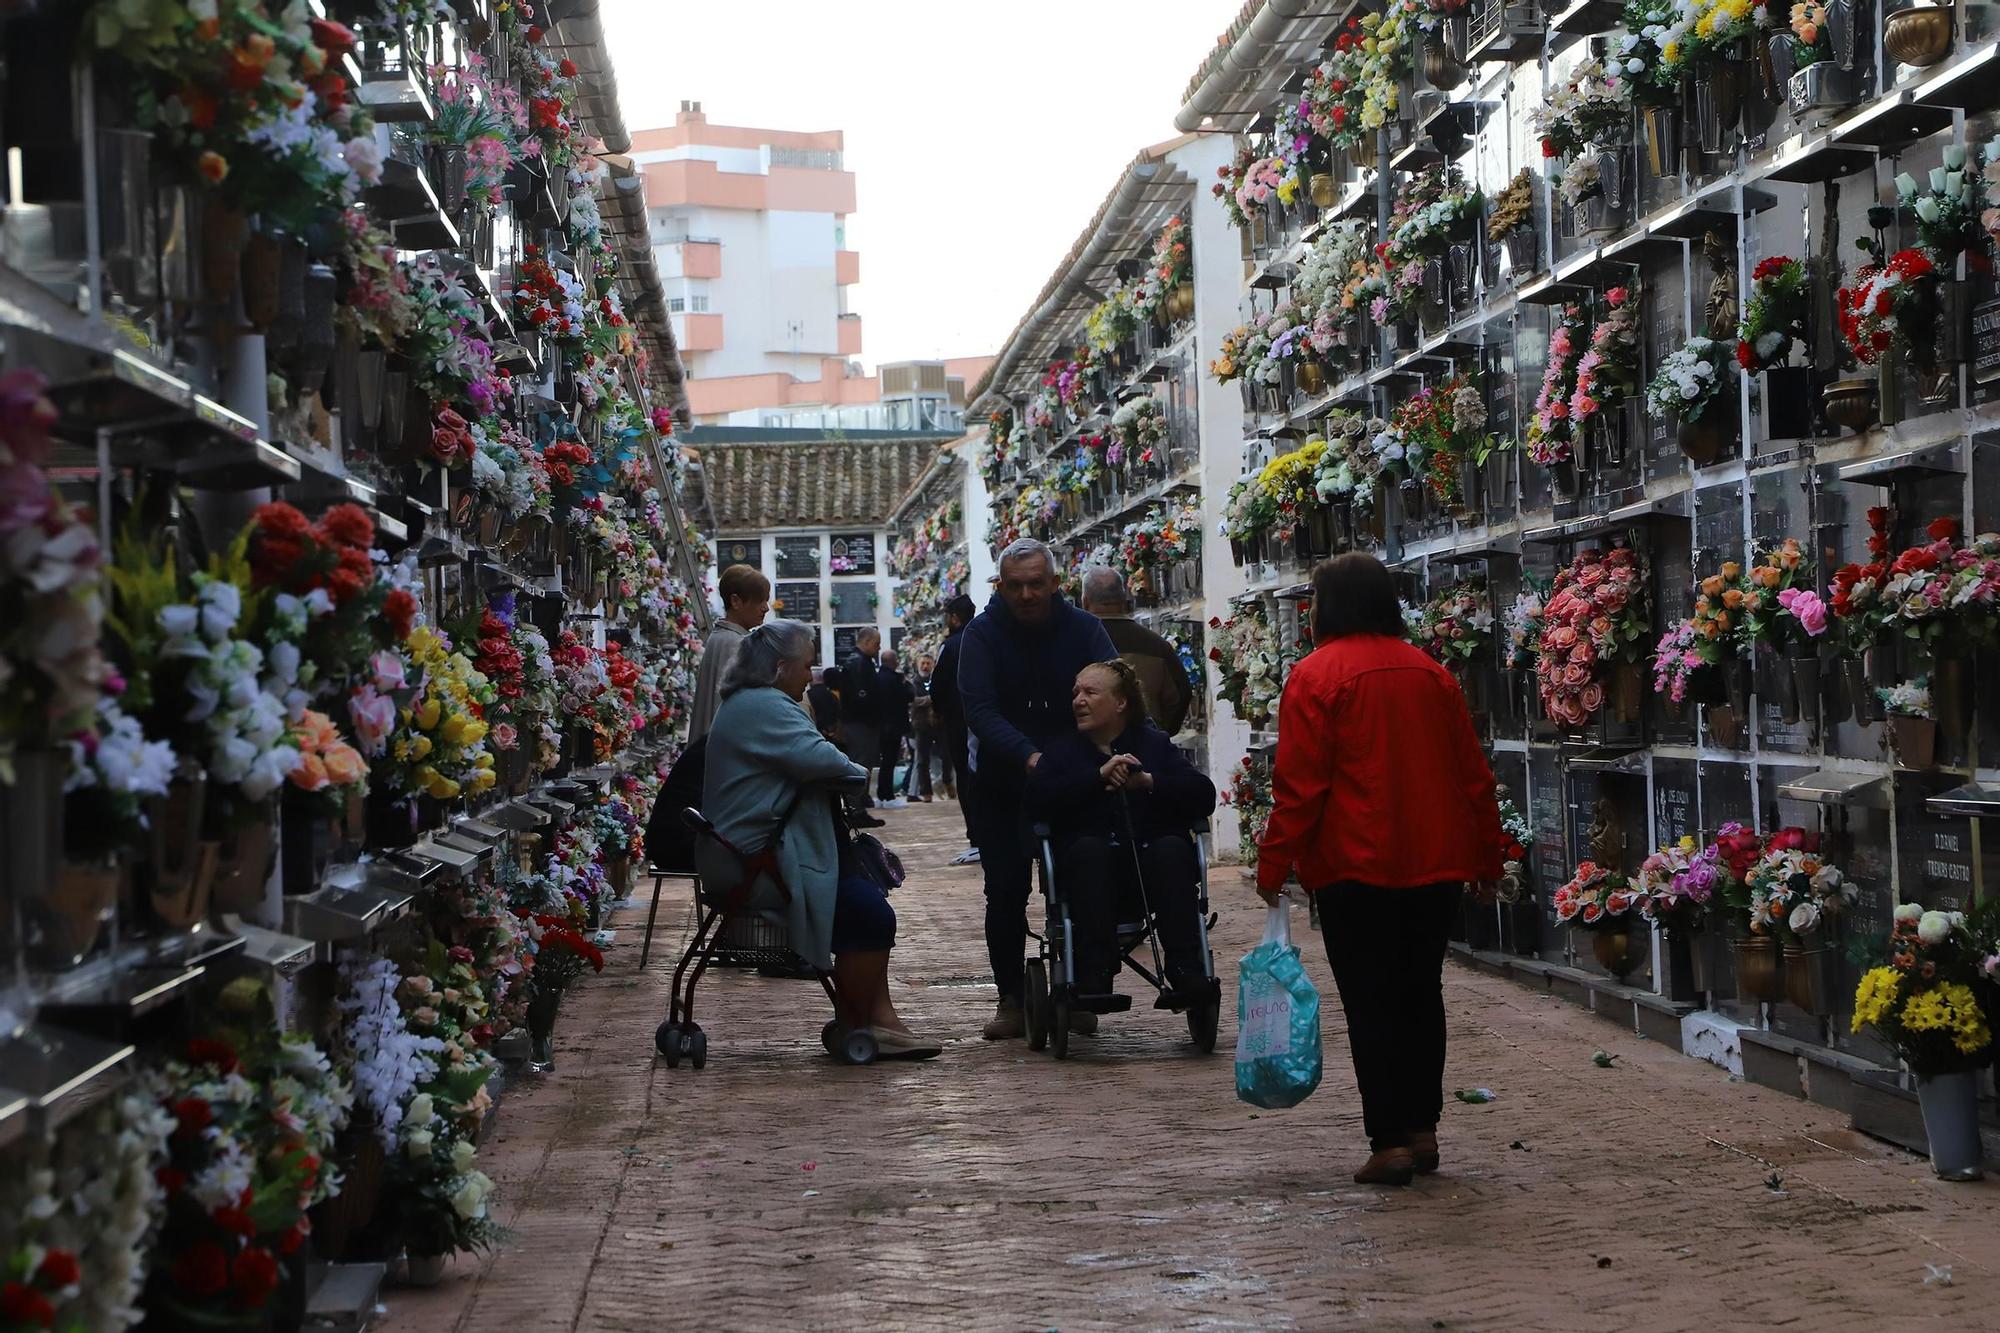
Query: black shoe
(860,819)
(1187,992)
(1102,1003)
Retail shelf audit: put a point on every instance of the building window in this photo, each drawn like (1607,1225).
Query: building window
(698,304)
(676,305)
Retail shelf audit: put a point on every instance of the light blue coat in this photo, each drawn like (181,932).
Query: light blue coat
(762,750)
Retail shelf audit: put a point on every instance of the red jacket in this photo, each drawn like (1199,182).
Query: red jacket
(1379,776)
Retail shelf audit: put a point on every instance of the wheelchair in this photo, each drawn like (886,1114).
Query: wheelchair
(680,1037)
(1049,987)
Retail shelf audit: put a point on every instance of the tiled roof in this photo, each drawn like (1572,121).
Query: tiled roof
(813,484)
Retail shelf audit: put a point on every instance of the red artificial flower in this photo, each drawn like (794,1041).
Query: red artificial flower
(255,1275)
(349,525)
(193,1114)
(534,34)
(202,1269)
(209,1051)
(336,39)
(399,608)
(567,68)
(1770,268)
(234,1219)
(60,1269)
(278,519)
(1942,529)
(21,1304)
(170,1178)
(1915,559)
(289,1242)
(1746,356)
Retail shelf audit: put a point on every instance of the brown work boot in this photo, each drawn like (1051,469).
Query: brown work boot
(1391,1166)
(1424,1152)
(1007,1022)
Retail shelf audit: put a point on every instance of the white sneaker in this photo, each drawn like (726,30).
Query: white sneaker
(896,803)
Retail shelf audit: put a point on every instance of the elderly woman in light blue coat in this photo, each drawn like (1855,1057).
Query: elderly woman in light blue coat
(770,773)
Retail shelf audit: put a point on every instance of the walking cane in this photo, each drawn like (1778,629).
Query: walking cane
(1145,903)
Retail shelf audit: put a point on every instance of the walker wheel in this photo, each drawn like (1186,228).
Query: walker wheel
(1035,1003)
(858,1047)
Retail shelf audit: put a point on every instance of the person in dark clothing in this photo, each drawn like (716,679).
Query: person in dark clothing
(825,705)
(1121,802)
(860,686)
(1161,676)
(1015,673)
(892,712)
(669,841)
(924,735)
(950,714)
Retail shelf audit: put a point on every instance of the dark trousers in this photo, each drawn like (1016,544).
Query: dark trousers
(1387,950)
(925,744)
(1001,834)
(968,785)
(1097,878)
(858,740)
(891,754)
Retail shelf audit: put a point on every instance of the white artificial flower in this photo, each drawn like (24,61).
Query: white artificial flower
(1906,184)
(1933,928)
(1908,914)
(1804,919)
(462,1155)
(283,660)
(178,621)
(1954,157)
(319,602)
(419,1142)
(1927,209)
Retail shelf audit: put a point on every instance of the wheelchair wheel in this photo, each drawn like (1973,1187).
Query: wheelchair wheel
(829,1036)
(667,1041)
(698,1049)
(1059,1029)
(1202,1021)
(1035,1003)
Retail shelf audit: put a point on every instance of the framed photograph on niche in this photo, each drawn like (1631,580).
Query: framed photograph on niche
(798,557)
(853,553)
(739,551)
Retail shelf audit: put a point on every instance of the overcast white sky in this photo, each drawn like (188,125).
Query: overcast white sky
(982,136)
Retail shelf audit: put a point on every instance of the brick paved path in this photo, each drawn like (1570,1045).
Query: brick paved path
(1129,1189)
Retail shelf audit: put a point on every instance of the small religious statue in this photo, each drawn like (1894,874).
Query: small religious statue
(1721,306)
(1606,839)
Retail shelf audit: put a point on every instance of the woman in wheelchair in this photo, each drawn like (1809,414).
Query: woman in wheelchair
(772,782)
(1115,787)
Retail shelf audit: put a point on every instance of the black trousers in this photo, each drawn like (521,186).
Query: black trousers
(1001,834)
(1387,950)
(925,744)
(1097,878)
(891,753)
(957,748)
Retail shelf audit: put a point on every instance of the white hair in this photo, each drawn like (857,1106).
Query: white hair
(1104,586)
(1023,547)
(763,652)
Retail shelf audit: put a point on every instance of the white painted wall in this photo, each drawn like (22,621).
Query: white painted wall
(978,522)
(1219,414)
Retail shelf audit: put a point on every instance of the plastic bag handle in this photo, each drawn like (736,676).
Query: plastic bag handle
(1278,922)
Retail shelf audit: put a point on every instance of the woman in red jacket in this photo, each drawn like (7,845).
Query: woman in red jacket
(1384,806)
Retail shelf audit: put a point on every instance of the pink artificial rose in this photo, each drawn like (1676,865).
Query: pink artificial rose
(505,737)
(387,669)
(1576,675)
(24,497)
(374,717)
(1591,699)
(1807,608)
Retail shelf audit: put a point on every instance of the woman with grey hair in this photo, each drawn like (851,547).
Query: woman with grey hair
(772,777)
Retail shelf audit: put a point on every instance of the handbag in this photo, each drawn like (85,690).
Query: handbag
(864,857)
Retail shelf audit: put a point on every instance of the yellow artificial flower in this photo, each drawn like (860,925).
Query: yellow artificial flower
(419,748)
(427,713)
(1874,997)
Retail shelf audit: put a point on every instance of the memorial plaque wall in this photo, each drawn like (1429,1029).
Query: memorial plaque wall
(798,557)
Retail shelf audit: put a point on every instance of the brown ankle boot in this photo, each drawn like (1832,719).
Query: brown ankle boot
(1424,1152)
(1391,1166)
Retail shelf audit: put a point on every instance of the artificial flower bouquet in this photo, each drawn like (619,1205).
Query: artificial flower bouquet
(1513,207)
(1593,621)
(1774,318)
(1691,381)
(438,748)
(1793,892)
(1523,624)
(1889,303)
(1910,698)
(1361,453)
(1249,794)
(1245,652)
(1552,434)
(1456,625)
(1926,1001)
(1516,837)
(1678,882)
(1437,429)
(1591,109)
(1597,898)
(1609,367)
(1946,208)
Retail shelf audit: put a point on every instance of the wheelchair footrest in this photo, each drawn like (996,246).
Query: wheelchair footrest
(1103,1004)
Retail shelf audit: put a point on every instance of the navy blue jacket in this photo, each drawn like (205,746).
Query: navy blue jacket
(1066,792)
(1015,682)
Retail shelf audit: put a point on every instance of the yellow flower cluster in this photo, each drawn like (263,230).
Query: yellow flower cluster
(1719,21)
(1875,997)
(1288,478)
(443,736)
(1951,1008)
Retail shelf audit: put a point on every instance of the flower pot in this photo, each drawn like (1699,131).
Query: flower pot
(1521,248)
(181,868)
(1563,478)
(1950,1104)
(1849,403)
(1919,36)
(1756,967)
(447,169)
(1180,303)
(243,861)
(1861,680)
(224,232)
(1688,958)
(31,821)
(1625,691)
(1913,740)
(1405,335)
(61,926)
(1820,86)
(1312,380)
(1662,125)
(1617,951)
(263,265)
(1708,436)
(1248,389)
(1717,96)
(1236,551)
(424,1270)
(1808,984)
(316,333)
(1803,669)
(1324,190)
